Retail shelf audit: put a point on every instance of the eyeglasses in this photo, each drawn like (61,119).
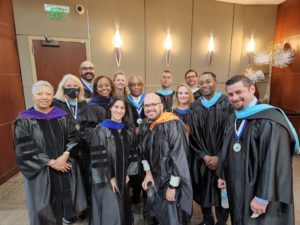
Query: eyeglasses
(135,84)
(147,106)
(87,68)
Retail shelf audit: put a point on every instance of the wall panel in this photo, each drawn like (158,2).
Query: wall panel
(174,16)
(143,25)
(105,17)
(285,85)
(11,91)
(216,18)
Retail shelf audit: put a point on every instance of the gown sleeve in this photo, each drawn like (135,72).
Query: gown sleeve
(274,165)
(133,158)
(30,158)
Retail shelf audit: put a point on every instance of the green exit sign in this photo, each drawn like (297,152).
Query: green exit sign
(56,12)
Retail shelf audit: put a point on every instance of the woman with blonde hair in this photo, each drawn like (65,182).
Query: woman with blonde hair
(120,84)
(70,97)
(181,101)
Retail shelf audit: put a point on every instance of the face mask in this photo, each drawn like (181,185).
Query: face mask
(71,92)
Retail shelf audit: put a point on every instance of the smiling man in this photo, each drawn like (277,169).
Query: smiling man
(87,73)
(257,159)
(207,120)
(191,78)
(165,163)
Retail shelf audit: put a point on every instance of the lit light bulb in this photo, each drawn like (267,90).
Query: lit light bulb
(117,40)
(251,45)
(168,42)
(211,44)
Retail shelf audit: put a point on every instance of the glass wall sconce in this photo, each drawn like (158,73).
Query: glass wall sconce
(250,49)
(117,42)
(211,48)
(168,48)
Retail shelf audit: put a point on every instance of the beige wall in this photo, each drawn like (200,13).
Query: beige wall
(143,26)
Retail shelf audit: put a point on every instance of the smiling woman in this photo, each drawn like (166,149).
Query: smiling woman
(43,142)
(102,91)
(112,145)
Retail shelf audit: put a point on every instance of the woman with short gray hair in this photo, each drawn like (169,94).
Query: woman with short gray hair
(44,146)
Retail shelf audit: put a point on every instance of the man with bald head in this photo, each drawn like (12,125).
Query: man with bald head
(165,163)
(166,92)
(87,73)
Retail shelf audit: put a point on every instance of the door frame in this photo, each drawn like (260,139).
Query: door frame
(31,50)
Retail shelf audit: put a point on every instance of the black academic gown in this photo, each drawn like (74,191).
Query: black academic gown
(133,114)
(206,138)
(262,168)
(167,101)
(87,92)
(89,115)
(50,195)
(165,149)
(127,158)
(197,94)
(183,117)
(113,154)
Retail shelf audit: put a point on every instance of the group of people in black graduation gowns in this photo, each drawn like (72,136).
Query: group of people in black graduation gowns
(96,145)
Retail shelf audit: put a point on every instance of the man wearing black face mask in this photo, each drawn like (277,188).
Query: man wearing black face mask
(87,73)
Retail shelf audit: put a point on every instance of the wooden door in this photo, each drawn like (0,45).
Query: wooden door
(54,59)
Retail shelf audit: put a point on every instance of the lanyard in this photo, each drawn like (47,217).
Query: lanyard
(74,114)
(239,132)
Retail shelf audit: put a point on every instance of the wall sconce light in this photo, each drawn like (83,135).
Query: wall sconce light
(250,49)
(168,47)
(117,46)
(211,48)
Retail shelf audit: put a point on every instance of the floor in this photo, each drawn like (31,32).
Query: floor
(13,209)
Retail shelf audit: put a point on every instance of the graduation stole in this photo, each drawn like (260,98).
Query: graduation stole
(165,117)
(87,85)
(137,105)
(112,124)
(165,92)
(209,103)
(249,111)
(182,111)
(33,114)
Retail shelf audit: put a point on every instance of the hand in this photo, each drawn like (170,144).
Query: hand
(127,179)
(61,164)
(213,162)
(170,194)
(113,183)
(257,207)
(148,178)
(221,183)
(206,159)
(51,162)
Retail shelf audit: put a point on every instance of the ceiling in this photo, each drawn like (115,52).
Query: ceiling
(254,2)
